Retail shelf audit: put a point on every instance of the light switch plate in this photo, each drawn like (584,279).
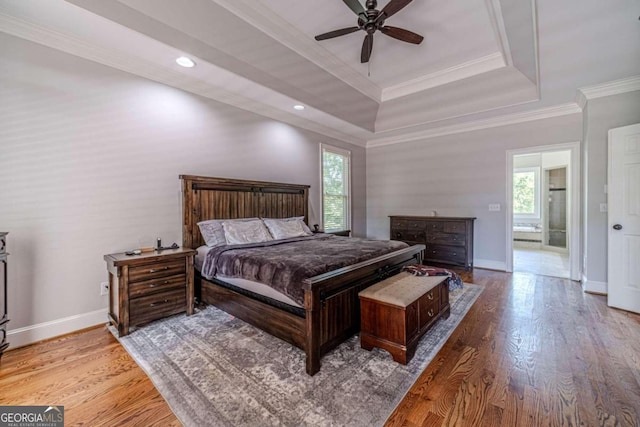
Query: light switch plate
(603,207)
(494,207)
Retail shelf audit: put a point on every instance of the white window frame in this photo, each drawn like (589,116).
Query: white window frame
(536,193)
(347,154)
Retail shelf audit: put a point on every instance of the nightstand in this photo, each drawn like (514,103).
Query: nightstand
(149,286)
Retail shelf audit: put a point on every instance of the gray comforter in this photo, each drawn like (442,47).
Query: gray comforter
(284,264)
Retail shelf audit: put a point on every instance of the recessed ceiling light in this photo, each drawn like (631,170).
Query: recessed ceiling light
(185,62)
(298,107)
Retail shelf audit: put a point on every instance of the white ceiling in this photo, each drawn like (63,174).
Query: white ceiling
(480,60)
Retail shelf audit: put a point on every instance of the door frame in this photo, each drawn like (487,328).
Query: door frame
(574,225)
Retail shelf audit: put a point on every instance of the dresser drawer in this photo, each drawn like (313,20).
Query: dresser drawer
(454,227)
(409,235)
(156,306)
(433,226)
(408,224)
(153,286)
(446,239)
(157,269)
(446,253)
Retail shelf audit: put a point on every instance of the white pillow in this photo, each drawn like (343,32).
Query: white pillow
(286,228)
(239,232)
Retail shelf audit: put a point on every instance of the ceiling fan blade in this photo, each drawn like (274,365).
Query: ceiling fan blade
(402,34)
(356,6)
(393,7)
(337,33)
(367,47)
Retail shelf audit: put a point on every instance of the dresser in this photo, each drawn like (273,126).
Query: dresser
(149,286)
(3,292)
(449,240)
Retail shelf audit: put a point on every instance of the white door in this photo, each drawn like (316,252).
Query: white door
(624,218)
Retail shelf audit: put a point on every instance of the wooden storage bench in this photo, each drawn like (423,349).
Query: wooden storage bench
(395,313)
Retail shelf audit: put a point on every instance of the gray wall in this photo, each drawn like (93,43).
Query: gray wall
(601,115)
(89,165)
(456,175)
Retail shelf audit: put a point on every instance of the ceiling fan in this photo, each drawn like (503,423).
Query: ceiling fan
(372,20)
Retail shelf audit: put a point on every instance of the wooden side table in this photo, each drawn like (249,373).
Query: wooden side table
(149,286)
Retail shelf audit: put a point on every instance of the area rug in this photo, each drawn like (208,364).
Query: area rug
(216,370)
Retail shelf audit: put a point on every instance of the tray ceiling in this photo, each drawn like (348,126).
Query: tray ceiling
(479,57)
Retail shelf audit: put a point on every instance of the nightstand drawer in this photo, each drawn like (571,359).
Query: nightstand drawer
(153,286)
(156,306)
(157,269)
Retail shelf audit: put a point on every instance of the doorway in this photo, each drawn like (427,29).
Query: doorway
(543,211)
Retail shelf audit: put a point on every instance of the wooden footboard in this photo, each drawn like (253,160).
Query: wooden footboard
(332,306)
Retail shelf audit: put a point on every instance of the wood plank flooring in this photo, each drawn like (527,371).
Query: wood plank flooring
(532,351)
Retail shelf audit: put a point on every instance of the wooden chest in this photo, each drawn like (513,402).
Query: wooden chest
(396,313)
(449,240)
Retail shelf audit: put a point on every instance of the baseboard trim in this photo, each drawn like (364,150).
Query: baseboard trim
(42,331)
(490,264)
(594,287)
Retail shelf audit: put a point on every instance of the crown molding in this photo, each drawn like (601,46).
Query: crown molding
(506,120)
(616,87)
(497,22)
(581,100)
(153,71)
(490,62)
(263,18)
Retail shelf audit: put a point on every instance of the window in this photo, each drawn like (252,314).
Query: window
(335,188)
(526,192)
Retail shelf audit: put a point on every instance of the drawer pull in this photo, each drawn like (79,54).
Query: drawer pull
(155,270)
(455,253)
(154,304)
(155,285)
(430,296)
(430,313)
(433,252)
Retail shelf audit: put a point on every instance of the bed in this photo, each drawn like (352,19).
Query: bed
(329,313)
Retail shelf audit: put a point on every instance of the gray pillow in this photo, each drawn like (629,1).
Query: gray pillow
(241,232)
(212,231)
(286,228)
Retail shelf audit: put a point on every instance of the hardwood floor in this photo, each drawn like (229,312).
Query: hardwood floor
(90,374)
(532,351)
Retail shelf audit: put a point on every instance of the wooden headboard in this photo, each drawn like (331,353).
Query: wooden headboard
(206,198)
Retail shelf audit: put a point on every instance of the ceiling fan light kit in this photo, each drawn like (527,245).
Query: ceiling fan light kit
(372,20)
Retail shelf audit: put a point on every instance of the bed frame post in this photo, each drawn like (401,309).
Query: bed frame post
(313,317)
